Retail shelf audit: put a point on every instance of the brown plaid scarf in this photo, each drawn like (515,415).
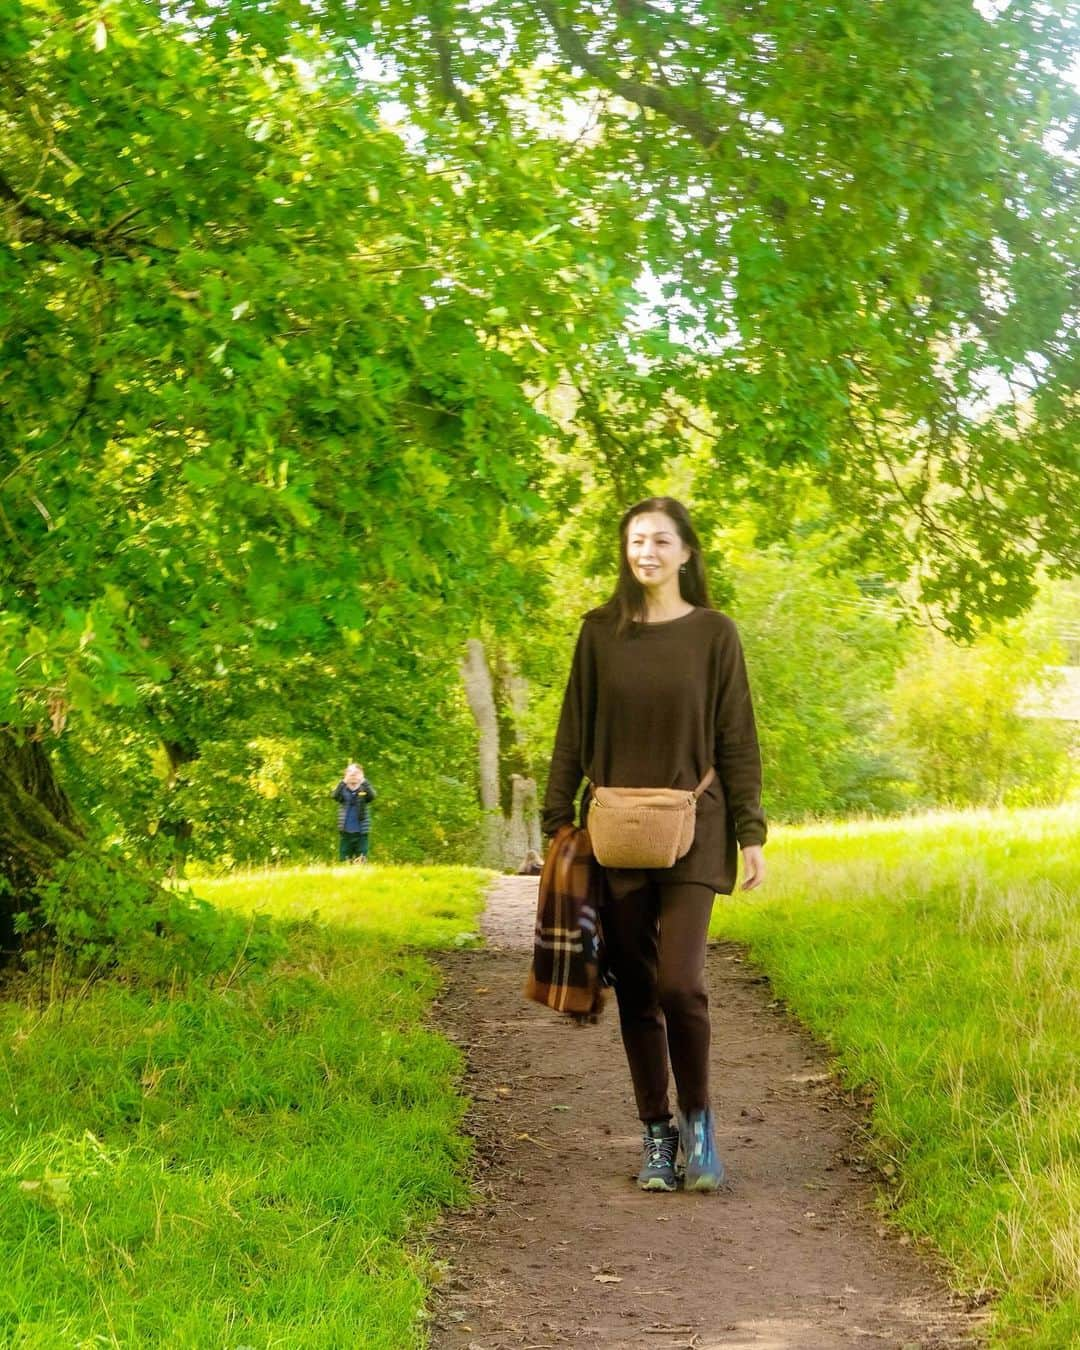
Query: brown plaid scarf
(568,951)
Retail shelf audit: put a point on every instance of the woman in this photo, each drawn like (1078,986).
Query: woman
(657,696)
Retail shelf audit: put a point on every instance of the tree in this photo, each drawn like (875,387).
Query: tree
(255,401)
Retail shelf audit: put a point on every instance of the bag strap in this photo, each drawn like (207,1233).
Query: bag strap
(705,782)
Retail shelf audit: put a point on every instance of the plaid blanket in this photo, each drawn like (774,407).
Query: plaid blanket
(567,963)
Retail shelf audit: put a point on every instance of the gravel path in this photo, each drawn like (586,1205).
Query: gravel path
(564,1250)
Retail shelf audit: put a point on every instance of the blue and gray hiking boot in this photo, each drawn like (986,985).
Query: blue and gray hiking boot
(703,1169)
(660,1145)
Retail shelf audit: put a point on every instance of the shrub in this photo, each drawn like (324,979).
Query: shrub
(822,656)
(956,718)
(98,910)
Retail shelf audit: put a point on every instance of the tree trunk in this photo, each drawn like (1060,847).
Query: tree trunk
(38,828)
(179,831)
(532,822)
(505,841)
(481,696)
(522,813)
(524,831)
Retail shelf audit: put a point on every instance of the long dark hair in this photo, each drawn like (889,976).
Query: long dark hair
(627,605)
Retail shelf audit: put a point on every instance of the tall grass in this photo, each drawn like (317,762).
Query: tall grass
(940,958)
(249,1163)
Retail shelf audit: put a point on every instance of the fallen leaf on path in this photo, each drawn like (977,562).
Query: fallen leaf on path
(530,1140)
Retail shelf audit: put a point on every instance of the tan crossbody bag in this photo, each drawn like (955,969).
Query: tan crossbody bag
(643,827)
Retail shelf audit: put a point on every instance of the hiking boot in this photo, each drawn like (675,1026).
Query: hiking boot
(703,1169)
(660,1145)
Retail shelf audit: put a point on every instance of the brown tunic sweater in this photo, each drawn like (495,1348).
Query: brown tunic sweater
(655,708)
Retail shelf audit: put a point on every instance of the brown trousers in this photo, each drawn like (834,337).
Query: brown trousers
(655,942)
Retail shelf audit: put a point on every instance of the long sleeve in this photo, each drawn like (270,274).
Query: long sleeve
(569,756)
(368,791)
(338,793)
(738,756)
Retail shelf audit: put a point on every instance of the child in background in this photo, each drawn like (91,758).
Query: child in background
(353,795)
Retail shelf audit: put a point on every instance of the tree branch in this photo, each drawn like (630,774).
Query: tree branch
(54,229)
(101,242)
(703,130)
(444,59)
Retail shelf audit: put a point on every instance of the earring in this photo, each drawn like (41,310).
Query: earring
(682,569)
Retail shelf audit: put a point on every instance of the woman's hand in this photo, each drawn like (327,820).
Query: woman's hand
(753,863)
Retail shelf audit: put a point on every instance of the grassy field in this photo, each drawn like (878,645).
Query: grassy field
(197,1167)
(417,906)
(940,958)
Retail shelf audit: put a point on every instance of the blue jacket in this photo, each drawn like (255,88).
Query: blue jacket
(347,797)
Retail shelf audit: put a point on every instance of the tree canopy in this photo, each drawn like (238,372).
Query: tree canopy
(859,227)
(254,391)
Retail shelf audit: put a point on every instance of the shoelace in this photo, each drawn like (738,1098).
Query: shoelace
(662,1151)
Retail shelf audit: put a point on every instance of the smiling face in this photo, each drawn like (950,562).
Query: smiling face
(654,550)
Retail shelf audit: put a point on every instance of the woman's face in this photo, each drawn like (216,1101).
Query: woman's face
(654,550)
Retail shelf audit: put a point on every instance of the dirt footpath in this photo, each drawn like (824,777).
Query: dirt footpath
(565,1250)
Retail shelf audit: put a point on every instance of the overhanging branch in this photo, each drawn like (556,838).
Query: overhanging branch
(704,130)
(444,59)
(105,243)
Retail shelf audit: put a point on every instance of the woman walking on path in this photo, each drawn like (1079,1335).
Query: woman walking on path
(658,696)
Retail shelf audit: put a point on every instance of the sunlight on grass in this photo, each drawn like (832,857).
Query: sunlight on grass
(422,906)
(247,1161)
(940,958)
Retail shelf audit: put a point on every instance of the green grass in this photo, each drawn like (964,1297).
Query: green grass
(940,959)
(252,1162)
(417,906)
(242,1163)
